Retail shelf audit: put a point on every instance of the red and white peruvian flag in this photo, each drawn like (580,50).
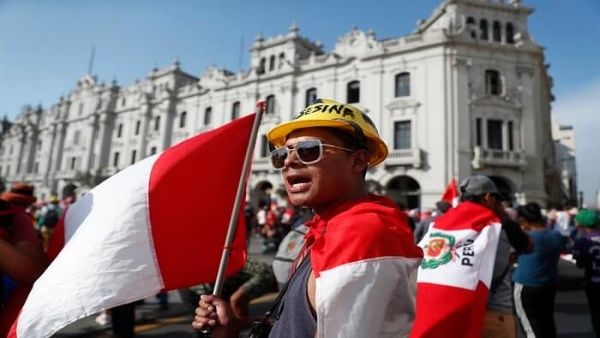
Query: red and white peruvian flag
(451,193)
(454,277)
(157,225)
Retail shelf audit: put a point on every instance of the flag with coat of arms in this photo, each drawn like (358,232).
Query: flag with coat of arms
(454,277)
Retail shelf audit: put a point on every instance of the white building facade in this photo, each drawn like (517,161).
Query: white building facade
(564,150)
(466,93)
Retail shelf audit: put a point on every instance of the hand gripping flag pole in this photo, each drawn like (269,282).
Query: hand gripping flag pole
(233,221)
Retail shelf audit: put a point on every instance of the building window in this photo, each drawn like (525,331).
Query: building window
(497,31)
(138,125)
(235,110)
(73,162)
(510,33)
(76,136)
(353,92)
(10,150)
(478,132)
(123,102)
(265,149)
(152,150)
(483,27)
(494,134)
(157,123)
(38,146)
(116,159)
(182,118)
(311,96)
(402,135)
(270,104)
(120,130)
(133,156)
(281,60)
(402,84)
(261,66)
(472,27)
(493,84)
(80,109)
(511,144)
(36,167)
(7,170)
(272,63)
(207,116)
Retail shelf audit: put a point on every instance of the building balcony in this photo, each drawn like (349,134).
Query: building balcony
(483,157)
(404,157)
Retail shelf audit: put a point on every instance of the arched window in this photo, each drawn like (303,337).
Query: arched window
(311,96)
(402,84)
(157,123)
(493,84)
(182,118)
(116,159)
(353,92)
(138,125)
(497,31)
(272,63)
(281,59)
(235,110)
(510,33)
(483,26)
(472,27)
(120,130)
(261,66)
(270,104)
(207,115)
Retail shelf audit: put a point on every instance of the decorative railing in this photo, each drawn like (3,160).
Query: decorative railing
(483,157)
(408,157)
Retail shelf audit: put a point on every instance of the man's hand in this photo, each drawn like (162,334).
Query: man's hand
(214,312)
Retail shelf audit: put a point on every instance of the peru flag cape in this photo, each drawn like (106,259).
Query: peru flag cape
(365,261)
(160,224)
(454,277)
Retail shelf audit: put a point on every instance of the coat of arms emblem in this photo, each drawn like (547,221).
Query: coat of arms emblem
(438,250)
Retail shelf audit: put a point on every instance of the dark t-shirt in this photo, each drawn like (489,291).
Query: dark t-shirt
(586,252)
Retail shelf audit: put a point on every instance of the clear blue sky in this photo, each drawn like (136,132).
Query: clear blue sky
(45,45)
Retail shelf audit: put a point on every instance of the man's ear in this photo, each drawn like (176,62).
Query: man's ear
(361,160)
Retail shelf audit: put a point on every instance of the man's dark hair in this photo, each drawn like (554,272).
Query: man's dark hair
(531,212)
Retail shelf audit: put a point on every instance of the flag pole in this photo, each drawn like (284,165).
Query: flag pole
(233,221)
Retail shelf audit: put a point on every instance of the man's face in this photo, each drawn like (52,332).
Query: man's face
(334,178)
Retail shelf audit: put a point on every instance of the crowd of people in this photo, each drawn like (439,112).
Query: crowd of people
(346,261)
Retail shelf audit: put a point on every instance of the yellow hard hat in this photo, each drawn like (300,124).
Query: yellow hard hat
(329,113)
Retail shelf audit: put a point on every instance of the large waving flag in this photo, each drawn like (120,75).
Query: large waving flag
(157,225)
(454,277)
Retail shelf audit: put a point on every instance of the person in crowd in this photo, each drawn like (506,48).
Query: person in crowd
(356,275)
(48,217)
(586,252)
(480,207)
(499,319)
(22,261)
(20,196)
(536,275)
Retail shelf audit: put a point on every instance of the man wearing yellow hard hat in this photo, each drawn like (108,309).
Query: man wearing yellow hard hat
(355,276)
